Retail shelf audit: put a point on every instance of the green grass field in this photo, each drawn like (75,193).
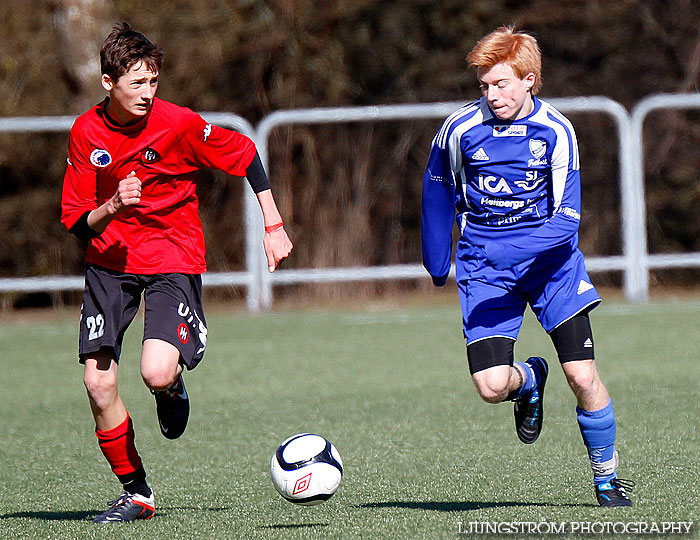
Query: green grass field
(389,387)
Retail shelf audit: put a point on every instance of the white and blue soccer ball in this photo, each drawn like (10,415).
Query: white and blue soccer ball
(306,469)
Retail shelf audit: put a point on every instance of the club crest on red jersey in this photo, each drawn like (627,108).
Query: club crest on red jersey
(149,155)
(100,157)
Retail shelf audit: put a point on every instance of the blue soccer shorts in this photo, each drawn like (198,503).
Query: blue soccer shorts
(555,285)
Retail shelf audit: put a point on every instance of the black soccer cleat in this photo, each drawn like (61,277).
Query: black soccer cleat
(173,408)
(614,493)
(528,408)
(128,507)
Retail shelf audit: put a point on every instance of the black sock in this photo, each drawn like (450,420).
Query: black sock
(135,483)
(134,487)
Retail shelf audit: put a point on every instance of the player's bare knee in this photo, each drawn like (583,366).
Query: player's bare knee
(491,389)
(158,378)
(159,364)
(583,381)
(490,395)
(101,389)
(158,381)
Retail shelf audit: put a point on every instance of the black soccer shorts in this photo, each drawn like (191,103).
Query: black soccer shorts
(573,340)
(173,312)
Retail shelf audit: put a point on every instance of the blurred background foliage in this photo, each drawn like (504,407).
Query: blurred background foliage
(350,193)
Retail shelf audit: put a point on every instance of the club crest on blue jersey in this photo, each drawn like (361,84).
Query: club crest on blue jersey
(100,157)
(538,147)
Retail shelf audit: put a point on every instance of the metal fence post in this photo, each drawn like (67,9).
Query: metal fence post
(639,114)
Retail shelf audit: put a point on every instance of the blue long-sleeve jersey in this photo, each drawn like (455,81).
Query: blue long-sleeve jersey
(514,188)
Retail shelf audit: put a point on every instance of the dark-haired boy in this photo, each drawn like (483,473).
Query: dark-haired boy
(130,193)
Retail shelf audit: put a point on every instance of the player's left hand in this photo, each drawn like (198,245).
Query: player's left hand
(277,247)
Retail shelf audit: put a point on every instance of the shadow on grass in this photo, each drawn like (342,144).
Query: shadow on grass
(88,515)
(163,510)
(464,506)
(51,516)
(294,526)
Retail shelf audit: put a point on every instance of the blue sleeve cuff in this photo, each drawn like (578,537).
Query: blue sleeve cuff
(440,281)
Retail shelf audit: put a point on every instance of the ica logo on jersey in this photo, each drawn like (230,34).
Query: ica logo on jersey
(494,185)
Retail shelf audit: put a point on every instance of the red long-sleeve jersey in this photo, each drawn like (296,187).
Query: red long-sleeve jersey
(163,233)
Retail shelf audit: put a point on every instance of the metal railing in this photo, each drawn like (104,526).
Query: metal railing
(247,278)
(629,195)
(634,262)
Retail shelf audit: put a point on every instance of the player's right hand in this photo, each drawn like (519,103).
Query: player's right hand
(128,193)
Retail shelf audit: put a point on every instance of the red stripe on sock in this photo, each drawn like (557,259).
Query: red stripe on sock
(117,445)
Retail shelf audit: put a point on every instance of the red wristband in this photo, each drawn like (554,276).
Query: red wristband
(273,228)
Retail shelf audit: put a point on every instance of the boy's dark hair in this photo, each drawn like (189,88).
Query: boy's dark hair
(125,47)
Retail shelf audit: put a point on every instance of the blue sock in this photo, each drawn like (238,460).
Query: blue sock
(529,382)
(598,430)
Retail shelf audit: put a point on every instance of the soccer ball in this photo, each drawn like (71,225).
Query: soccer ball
(306,469)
